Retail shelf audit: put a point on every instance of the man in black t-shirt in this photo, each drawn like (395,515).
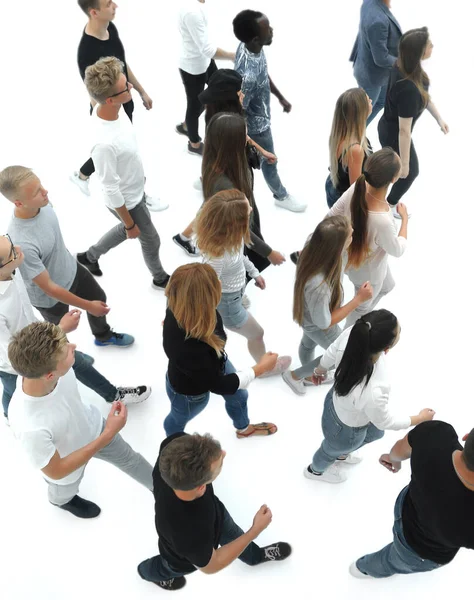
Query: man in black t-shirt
(192,522)
(433,514)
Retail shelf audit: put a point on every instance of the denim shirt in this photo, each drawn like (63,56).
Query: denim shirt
(256,87)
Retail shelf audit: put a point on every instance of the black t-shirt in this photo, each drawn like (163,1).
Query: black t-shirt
(438,508)
(188,531)
(403,100)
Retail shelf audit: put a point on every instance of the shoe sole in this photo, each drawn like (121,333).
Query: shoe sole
(194,153)
(102,345)
(159,288)
(72,180)
(154,209)
(140,400)
(292,388)
(295,210)
(184,249)
(316,478)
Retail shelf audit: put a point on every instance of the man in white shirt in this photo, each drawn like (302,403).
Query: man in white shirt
(196,65)
(59,433)
(120,170)
(16,312)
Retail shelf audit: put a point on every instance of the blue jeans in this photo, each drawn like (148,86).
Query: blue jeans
(184,408)
(159,569)
(332,195)
(397,557)
(270,172)
(340,439)
(377,94)
(9,385)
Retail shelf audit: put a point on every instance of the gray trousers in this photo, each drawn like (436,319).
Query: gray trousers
(149,240)
(380,290)
(312,338)
(118,453)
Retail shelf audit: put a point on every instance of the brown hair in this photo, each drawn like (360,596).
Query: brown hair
(322,255)
(225,154)
(102,77)
(11,180)
(223,223)
(379,171)
(411,50)
(87,5)
(36,350)
(193,293)
(185,462)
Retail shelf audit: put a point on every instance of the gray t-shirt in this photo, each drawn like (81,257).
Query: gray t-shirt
(42,244)
(317,300)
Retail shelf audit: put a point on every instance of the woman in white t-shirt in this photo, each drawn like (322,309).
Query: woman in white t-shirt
(356,410)
(375,234)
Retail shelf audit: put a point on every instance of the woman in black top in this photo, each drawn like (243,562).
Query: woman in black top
(194,341)
(407,98)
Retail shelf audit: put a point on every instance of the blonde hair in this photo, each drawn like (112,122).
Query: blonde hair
(101,78)
(223,223)
(36,350)
(348,127)
(193,293)
(12,178)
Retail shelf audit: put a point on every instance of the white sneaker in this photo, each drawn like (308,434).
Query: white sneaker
(354,571)
(82,184)
(291,203)
(246,301)
(296,385)
(154,203)
(130,395)
(197,185)
(353,458)
(330,475)
(282,365)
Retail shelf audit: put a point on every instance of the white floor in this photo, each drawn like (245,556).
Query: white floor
(47,554)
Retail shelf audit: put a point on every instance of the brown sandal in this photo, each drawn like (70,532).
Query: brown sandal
(257,429)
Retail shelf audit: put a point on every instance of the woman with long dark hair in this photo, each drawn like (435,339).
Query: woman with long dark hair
(407,97)
(356,411)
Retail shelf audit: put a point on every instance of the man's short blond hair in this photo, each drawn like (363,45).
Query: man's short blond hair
(12,178)
(102,77)
(36,350)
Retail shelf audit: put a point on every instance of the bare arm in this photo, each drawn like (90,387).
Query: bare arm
(281,99)
(226,555)
(356,156)
(404,141)
(147,101)
(224,55)
(364,293)
(44,282)
(437,117)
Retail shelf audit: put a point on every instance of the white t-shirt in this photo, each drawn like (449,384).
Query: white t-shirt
(365,403)
(196,49)
(382,238)
(59,421)
(231,269)
(117,161)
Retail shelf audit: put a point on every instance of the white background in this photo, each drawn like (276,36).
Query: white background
(47,553)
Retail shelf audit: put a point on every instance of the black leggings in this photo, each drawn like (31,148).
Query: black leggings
(88,167)
(388,136)
(194,85)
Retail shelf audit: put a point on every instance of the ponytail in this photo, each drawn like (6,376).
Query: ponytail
(358,249)
(370,335)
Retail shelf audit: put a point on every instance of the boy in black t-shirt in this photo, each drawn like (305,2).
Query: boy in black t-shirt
(433,514)
(192,522)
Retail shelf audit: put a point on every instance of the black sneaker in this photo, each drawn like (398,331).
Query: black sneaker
(181,130)
(278,551)
(294,256)
(84,509)
(199,150)
(161,285)
(92,265)
(186,245)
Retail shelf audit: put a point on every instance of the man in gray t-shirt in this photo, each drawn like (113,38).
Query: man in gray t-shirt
(53,278)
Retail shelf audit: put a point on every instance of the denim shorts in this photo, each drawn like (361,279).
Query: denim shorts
(231,310)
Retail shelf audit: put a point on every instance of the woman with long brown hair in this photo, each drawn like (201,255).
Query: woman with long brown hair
(375,236)
(318,295)
(194,342)
(222,229)
(407,97)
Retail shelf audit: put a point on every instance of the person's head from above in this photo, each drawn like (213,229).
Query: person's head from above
(322,255)
(371,336)
(414,47)
(41,351)
(107,84)
(225,153)
(193,293)
(190,463)
(223,93)
(353,108)
(21,186)
(11,257)
(381,169)
(222,224)
(468,452)
(98,10)
(253,29)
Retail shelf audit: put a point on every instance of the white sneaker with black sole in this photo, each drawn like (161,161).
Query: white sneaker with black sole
(82,184)
(133,395)
(330,475)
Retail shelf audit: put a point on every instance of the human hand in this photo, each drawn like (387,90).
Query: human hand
(97,308)
(260,282)
(427,414)
(276,258)
(147,101)
(365,292)
(319,375)
(133,233)
(269,157)
(444,127)
(392,465)
(405,171)
(116,419)
(402,211)
(286,105)
(70,321)
(267,362)
(262,520)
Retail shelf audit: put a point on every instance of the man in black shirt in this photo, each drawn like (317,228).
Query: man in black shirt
(433,514)
(192,522)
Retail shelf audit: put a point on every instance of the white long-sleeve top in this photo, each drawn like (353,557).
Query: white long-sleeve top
(231,269)
(365,403)
(196,49)
(382,238)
